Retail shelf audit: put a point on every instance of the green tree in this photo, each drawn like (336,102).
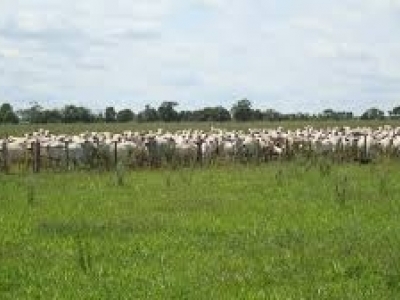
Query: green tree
(256,115)
(167,112)
(373,114)
(149,114)
(33,114)
(52,116)
(221,114)
(7,114)
(272,115)
(329,114)
(70,114)
(75,114)
(110,114)
(211,114)
(395,112)
(242,110)
(186,116)
(125,115)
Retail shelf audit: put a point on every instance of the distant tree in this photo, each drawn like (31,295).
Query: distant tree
(70,114)
(290,116)
(222,114)
(52,116)
(99,118)
(75,114)
(373,114)
(33,114)
(110,114)
(396,110)
(301,116)
(167,112)
(242,110)
(256,115)
(345,115)
(125,115)
(272,115)
(211,114)
(329,114)
(395,113)
(186,116)
(149,114)
(7,114)
(85,115)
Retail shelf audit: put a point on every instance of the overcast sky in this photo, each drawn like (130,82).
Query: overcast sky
(289,55)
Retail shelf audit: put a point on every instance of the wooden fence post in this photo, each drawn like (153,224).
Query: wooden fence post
(67,153)
(96,145)
(310,146)
(33,156)
(365,147)
(199,143)
(5,156)
(115,153)
(365,156)
(153,155)
(37,157)
(361,153)
(258,151)
(287,150)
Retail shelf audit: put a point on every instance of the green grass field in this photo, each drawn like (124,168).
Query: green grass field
(277,231)
(119,127)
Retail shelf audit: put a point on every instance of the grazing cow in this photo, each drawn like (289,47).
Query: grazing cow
(185,146)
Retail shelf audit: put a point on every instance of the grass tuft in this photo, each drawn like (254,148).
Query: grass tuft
(30,190)
(84,256)
(120,174)
(342,190)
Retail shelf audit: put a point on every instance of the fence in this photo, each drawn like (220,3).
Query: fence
(38,157)
(4,155)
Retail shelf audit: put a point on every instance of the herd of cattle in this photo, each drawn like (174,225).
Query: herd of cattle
(188,146)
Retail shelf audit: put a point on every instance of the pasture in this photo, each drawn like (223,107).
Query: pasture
(184,147)
(282,230)
(119,127)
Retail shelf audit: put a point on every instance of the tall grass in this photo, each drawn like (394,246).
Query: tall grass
(30,190)
(227,232)
(84,256)
(119,174)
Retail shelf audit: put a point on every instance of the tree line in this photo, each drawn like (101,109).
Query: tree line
(241,111)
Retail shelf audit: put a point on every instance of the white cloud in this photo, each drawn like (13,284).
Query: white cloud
(8,53)
(289,55)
